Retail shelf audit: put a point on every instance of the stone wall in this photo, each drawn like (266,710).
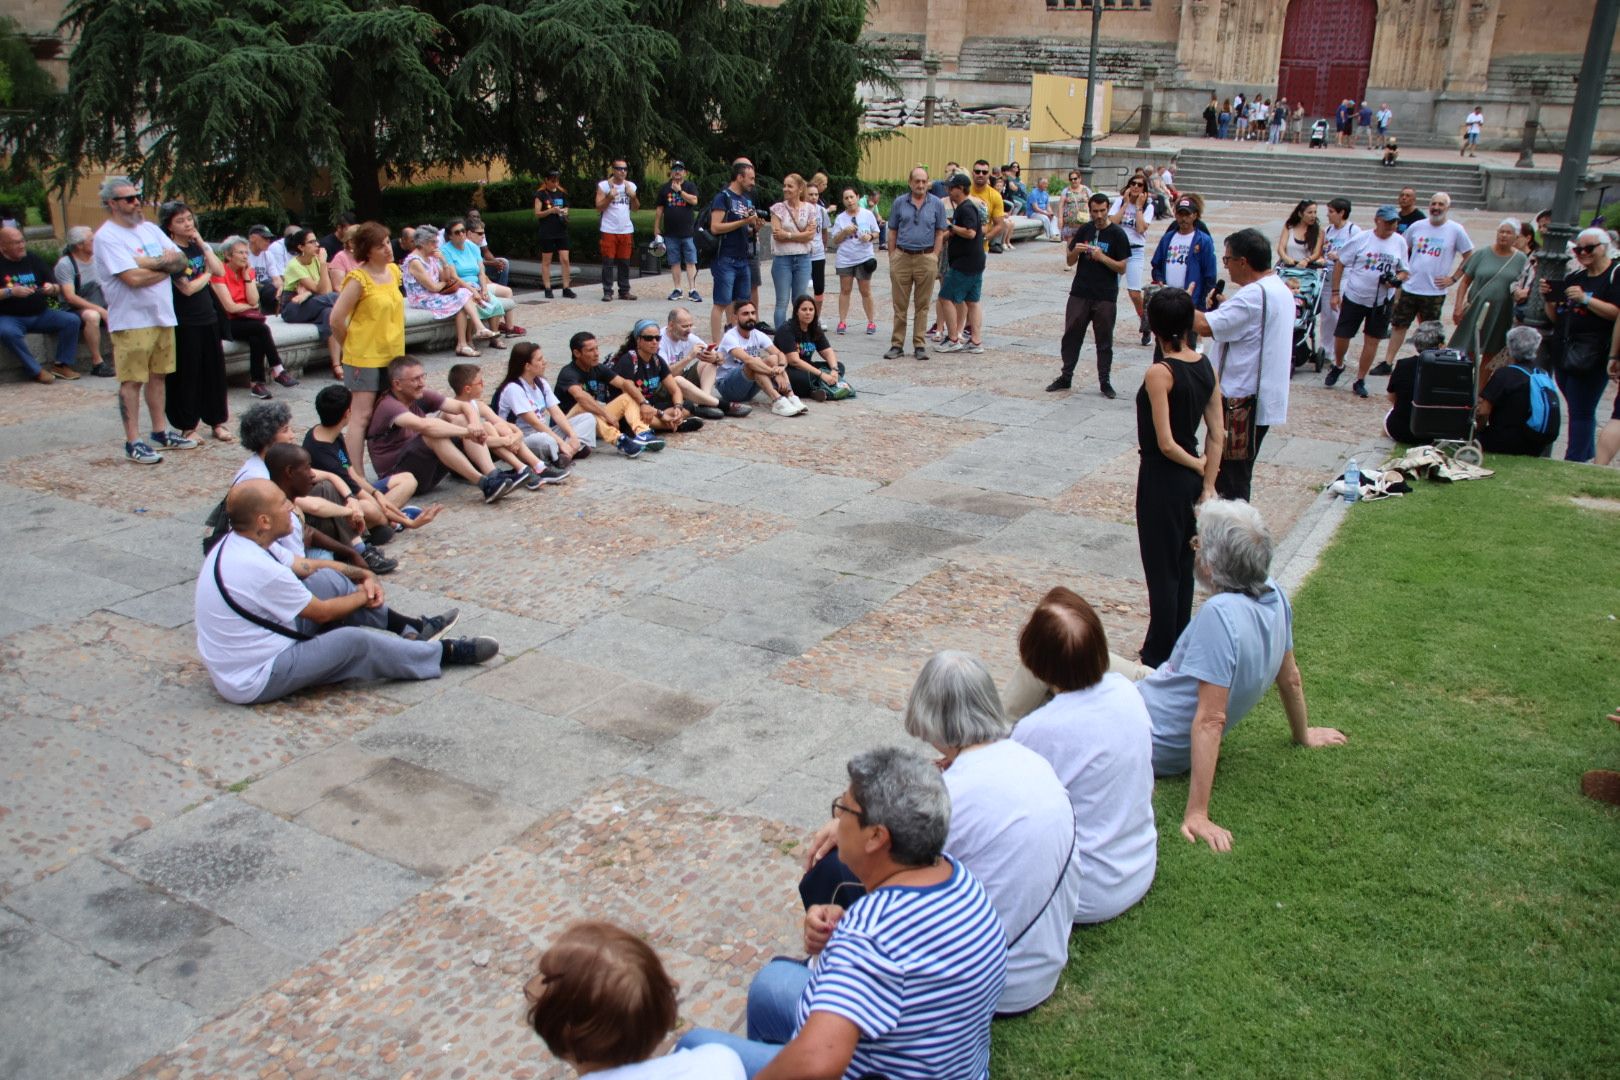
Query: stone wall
(1015,59)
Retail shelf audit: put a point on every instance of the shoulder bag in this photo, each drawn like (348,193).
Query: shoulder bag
(262,623)
(1239,412)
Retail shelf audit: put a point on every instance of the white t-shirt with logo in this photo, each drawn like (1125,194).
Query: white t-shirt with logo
(853,251)
(238,653)
(1175,259)
(1240,364)
(1134,222)
(522,397)
(1334,237)
(672,352)
(1431,252)
(616,215)
(116,249)
(1366,258)
(755,344)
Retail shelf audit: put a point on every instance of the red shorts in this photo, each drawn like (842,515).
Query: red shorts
(617,245)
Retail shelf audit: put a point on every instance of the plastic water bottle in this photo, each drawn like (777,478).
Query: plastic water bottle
(1352,481)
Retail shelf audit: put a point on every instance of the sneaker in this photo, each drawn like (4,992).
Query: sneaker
(975,346)
(895,352)
(1333,375)
(674,295)
(1107,389)
(524,476)
(141,454)
(629,447)
(104,370)
(783,407)
(379,563)
(549,296)
(470,650)
(607,298)
(260,391)
(584,452)
(649,440)
(413,512)
(1060,383)
(842,327)
(378,535)
(434,626)
(871,328)
(691,423)
(1382,368)
(569,293)
(496,485)
(797,404)
(920,353)
(284,379)
(1360,387)
(707,412)
(695,296)
(627,296)
(173,440)
(1147,335)
(736,409)
(552,474)
(767,329)
(933,331)
(62,371)
(948,345)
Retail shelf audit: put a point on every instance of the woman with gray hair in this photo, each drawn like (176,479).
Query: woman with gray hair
(1011,823)
(1403,381)
(1585,313)
(903,983)
(237,290)
(75,272)
(1488,278)
(431,287)
(1518,396)
(1238,645)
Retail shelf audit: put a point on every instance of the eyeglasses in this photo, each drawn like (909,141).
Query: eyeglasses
(648,337)
(1585,249)
(838,804)
(125,198)
(621,168)
(457,231)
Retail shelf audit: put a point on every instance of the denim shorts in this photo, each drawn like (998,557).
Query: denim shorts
(733,280)
(735,385)
(680,250)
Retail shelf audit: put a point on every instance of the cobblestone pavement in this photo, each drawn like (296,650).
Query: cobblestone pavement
(355,882)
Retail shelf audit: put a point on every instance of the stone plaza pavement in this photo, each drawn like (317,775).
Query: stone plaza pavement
(357,882)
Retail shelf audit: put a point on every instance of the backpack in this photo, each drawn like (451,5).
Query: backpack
(1544,412)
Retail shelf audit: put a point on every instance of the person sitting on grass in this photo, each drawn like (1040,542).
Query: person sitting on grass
(813,367)
(330,455)
(663,400)
(591,390)
(749,363)
(1239,644)
(526,399)
(266,629)
(902,984)
(505,441)
(695,365)
(405,436)
(1508,401)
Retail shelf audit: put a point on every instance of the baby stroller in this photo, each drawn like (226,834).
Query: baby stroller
(1443,404)
(1319,132)
(1306,284)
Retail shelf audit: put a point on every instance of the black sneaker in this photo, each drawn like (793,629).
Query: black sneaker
(551,474)
(1360,387)
(895,352)
(691,423)
(103,370)
(1060,383)
(1382,368)
(260,391)
(496,485)
(522,478)
(549,296)
(736,410)
(1147,335)
(1333,375)
(569,293)
(434,626)
(706,412)
(379,535)
(584,452)
(470,650)
(1108,390)
(379,563)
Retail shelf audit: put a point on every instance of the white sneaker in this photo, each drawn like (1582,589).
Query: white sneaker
(797,404)
(947,345)
(783,407)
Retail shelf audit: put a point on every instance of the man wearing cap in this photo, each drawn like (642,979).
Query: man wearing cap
(615,198)
(1370,267)
(917,227)
(551,211)
(675,223)
(269,261)
(1185,257)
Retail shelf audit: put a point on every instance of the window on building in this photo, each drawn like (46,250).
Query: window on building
(1108,5)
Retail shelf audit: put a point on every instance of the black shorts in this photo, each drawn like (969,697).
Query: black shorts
(1352,314)
(420,461)
(818,276)
(550,245)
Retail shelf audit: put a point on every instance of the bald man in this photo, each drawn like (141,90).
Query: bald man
(28,285)
(266,630)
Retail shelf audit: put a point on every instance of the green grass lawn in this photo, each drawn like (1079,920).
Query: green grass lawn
(1434,899)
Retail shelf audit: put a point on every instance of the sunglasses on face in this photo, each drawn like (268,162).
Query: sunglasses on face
(1585,249)
(457,232)
(621,168)
(648,337)
(125,198)
(981,172)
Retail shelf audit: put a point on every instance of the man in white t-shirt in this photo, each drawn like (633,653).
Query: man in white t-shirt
(1254,334)
(1472,124)
(268,257)
(266,630)
(1436,250)
(1369,268)
(696,365)
(135,262)
(751,362)
(615,198)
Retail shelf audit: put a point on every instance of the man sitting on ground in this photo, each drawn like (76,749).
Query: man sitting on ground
(505,440)
(751,362)
(588,387)
(695,365)
(324,443)
(260,623)
(404,436)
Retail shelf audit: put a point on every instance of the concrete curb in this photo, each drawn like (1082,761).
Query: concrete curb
(1302,548)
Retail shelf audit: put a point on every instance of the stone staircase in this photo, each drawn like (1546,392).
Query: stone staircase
(1278,176)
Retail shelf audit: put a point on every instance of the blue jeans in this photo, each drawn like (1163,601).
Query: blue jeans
(790,277)
(681,251)
(773,1007)
(64,324)
(1582,392)
(733,279)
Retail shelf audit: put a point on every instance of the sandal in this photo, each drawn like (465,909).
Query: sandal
(223,433)
(466,350)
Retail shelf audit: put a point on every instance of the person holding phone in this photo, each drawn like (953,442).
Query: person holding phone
(1098,252)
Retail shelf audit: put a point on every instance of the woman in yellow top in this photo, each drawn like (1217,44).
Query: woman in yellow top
(368,321)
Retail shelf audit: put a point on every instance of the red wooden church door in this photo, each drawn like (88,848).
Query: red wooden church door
(1326,52)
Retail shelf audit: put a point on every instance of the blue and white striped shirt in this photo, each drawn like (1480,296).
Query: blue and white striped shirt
(918,970)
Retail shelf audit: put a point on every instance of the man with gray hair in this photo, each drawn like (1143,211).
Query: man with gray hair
(1403,382)
(135,262)
(81,291)
(903,984)
(1436,250)
(1518,408)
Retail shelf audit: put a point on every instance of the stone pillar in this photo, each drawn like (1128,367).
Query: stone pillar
(1532,122)
(930,95)
(1144,132)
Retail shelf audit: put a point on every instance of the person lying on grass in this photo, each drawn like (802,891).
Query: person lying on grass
(1239,643)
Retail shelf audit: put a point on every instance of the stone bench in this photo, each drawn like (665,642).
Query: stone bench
(298,343)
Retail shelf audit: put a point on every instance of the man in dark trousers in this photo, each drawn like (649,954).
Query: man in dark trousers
(1097,251)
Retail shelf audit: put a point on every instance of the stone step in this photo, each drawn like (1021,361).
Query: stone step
(1285,177)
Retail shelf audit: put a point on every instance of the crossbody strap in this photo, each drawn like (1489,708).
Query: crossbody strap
(1063,871)
(1260,363)
(230,601)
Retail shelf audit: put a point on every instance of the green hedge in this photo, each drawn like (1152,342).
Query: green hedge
(515,233)
(236,220)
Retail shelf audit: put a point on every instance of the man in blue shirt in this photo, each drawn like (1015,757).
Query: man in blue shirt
(733,220)
(917,224)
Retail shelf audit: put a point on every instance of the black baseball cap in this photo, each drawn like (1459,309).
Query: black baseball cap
(681,165)
(552,174)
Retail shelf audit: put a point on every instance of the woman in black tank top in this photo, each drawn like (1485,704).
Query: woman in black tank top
(1178,391)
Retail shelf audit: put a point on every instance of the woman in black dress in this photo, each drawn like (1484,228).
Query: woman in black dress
(1179,389)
